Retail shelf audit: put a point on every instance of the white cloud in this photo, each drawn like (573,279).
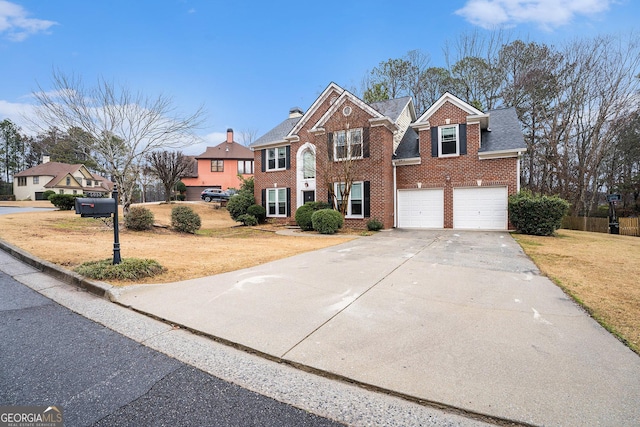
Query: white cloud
(18,113)
(16,25)
(209,140)
(547,14)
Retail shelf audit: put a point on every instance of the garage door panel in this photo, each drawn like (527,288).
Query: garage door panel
(421,208)
(480,208)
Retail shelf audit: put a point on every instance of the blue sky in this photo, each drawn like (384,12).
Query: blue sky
(249,62)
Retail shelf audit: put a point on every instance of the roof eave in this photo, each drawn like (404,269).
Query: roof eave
(407,162)
(501,154)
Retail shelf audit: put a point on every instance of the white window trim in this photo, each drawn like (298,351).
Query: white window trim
(457,153)
(275,152)
(275,191)
(348,214)
(348,133)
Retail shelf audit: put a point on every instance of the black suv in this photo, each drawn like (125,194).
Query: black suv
(214,195)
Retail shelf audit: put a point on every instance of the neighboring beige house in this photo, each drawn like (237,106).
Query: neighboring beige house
(62,178)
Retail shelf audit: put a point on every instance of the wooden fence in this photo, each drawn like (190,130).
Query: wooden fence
(628,226)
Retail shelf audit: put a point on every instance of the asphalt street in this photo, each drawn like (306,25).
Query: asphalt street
(52,356)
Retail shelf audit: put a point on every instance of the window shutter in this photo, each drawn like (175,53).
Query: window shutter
(365,142)
(263,160)
(330,199)
(367,199)
(330,145)
(462,130)
(264,197)
(434,142)
(288,200)
(287,160)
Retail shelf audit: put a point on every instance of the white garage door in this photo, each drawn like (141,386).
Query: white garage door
(421,208)
(480,208)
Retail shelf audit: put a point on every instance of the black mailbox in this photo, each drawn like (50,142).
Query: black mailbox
(95,208)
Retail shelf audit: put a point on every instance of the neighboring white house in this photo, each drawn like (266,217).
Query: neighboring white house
(62,178)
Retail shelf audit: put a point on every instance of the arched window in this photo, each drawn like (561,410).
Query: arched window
(308,164)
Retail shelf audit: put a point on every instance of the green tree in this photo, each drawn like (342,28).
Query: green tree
(11,148)
(377,92)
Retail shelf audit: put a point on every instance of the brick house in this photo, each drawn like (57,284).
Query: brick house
(453,167)
(219,167)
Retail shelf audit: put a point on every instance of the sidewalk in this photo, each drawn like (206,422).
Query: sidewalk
(460,320)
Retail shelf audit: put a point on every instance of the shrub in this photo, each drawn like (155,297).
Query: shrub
(374,225)
(248,219)
(185,220)
(240,202)
(139,218)
(304,213)
(128,269)
(535,214)
(327,221)
(47,194)
(181,197)
(64,202)
(257,211)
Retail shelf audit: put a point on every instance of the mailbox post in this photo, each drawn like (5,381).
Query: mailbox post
(103,208)
(116,234)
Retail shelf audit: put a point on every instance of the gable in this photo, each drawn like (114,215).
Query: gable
(457,102)
(331,94)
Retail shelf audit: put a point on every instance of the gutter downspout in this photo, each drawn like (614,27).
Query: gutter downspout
(395,195)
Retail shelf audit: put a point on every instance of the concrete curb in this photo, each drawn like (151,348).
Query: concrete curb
(100,289)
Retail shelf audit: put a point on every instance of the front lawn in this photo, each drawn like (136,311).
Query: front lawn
(600,271)
(221,245)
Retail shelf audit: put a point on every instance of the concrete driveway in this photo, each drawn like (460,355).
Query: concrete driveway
(459,319)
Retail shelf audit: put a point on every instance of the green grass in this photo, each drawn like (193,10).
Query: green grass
(128,269)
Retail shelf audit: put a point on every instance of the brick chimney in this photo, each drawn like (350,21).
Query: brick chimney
(229,135)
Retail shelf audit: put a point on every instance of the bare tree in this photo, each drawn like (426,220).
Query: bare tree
(248,136)
(125,126)
(168,166)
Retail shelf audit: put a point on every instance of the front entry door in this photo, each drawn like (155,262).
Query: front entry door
(309,196)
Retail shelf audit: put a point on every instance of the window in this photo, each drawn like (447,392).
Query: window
(448,140)
(355,201)
(276,201)
(308,165)
(245,167)
(277,158)
(89,183)
(348,144)
(22,181)
(217,165)
(68,180)
(36,180)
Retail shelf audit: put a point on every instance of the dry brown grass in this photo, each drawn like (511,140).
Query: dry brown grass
(601,271)
(66,239)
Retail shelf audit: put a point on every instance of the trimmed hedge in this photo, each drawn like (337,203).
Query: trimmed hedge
(535,214)
(374,225)
(139,218)
(64,202)
(258,212)
(304,213)
(327,221)
(185,220)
